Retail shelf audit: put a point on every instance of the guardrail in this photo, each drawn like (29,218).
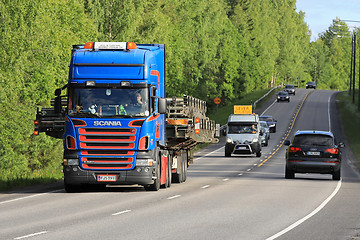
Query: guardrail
(222,128)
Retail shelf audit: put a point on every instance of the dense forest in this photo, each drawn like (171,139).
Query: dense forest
(215,48)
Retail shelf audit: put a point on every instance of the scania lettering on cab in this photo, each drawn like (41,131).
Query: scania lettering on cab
(117,125)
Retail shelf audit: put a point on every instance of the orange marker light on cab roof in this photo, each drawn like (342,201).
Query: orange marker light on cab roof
(89,45)
(131,45)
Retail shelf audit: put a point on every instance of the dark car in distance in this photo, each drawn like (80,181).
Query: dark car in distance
(311,85)
(290,88)
(270,121)
(313,152)
(283,96)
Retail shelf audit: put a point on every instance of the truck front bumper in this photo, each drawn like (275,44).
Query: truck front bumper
(74,175)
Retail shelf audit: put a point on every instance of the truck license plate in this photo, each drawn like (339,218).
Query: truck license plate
(106,178)
(313,153)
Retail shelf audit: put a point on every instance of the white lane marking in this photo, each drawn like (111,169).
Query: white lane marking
(329,113)
(240,174)
(268,108)
(206,186)
(122,212)
(31,235)
(318,209)
(31,196)
(176,196)
(209,153)
(225,179)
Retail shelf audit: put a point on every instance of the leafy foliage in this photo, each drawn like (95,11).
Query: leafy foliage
(215,48)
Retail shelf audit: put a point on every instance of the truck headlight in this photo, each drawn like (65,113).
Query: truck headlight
(71,162)
(255,140)
(228,140)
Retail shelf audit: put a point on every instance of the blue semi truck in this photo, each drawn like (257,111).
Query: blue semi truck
(117,125)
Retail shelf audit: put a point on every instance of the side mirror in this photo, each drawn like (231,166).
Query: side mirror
(287,143)
(341,145)
(162,105)
(58,92)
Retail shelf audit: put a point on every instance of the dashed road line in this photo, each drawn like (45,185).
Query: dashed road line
(31,235)
(122,212)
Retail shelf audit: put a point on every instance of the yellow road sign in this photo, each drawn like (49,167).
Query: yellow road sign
(242,109)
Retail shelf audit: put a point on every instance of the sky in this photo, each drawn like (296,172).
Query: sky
(319,14)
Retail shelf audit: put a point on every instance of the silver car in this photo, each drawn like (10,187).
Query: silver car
(265,133)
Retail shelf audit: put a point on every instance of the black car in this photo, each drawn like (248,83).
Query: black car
(290,88)
(311,85)
(270,121)
(283,96)
(313,152)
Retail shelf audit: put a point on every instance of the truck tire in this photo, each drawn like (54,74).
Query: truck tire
(71,188)
(184,175)
(178,177)
(169,176)
(258,154)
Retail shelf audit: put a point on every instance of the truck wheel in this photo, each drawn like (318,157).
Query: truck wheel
(258,154)
(71,188)
(184,175)
(169,175)
(156,185)
(289,174)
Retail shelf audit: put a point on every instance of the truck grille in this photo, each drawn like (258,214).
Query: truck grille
(107,163)
(107,148)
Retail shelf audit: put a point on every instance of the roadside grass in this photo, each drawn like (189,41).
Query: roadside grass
(48,175)
(350,116)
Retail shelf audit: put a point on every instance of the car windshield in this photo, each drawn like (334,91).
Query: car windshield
(263,124)
(108,102)
(289,86)
(243,128)
(267,119)
(313,140)
(283,93)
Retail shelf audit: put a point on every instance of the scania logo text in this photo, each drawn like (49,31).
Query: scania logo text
(107,123)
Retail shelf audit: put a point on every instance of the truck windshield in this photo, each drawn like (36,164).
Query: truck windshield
(243,128)
(108,102)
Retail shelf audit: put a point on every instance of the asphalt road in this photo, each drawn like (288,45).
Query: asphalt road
(238,197)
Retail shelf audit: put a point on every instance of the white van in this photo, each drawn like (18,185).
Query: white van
(243,135)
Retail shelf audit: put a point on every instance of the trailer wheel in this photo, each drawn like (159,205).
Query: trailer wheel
(169,174)
(184,175)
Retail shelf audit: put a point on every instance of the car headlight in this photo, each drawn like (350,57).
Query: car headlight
(278,97)
(255,140)
(228,140)
(287,96)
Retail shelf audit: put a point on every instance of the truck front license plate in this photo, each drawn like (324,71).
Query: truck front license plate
(106,178)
